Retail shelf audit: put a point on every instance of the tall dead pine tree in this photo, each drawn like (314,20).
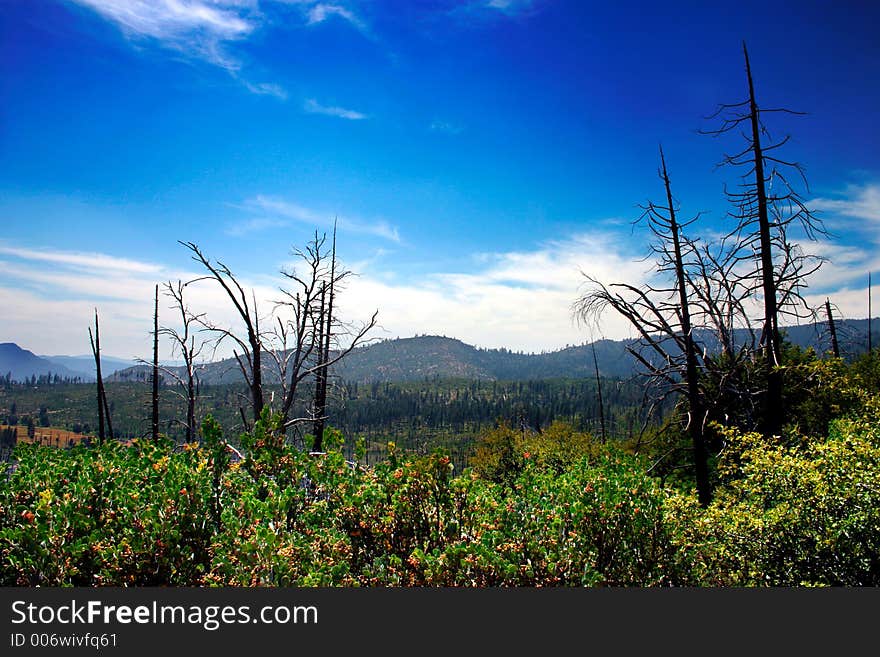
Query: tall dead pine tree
(326,321)
(695,404)
(835,347)
(767,207)
(154,424)
(103,408)
(870,345)
(660,313)
(599,394)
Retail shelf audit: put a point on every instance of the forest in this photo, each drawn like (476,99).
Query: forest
(753,463)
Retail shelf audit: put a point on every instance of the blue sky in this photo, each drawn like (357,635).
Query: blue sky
(478,154)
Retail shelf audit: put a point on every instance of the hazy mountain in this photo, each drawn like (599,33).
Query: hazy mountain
(85,365)
(23,364)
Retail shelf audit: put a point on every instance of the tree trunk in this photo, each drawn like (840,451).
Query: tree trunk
(96,352)
(835,348)
(319,375)
(103,408)
(155,419)
(257,375)
(773,412)
(695,405)
(190,410)
(599,393)
(325,347)
(870,345)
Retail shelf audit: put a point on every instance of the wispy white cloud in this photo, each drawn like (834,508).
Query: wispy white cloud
(50,308)
(517,299)
(266,89)
(509,8)
(507,5)
(321,11)
(855,213)
(276,212)
(255,225)
(857,202)
(98,261)
(312,106)
(199,28)
(208,29)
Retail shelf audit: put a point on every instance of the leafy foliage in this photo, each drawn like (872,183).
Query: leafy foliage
(555,508)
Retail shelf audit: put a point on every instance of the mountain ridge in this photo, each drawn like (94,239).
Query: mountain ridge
(426,357)
(20,364)
(433,356)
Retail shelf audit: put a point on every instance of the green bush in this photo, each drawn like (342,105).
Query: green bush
(807,514)
(551,509)
(105,515)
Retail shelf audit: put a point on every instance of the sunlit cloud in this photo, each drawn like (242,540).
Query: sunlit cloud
(50,310)
(520,300)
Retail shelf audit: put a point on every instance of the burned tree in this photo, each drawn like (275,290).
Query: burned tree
(184,344)
(599,395)
(660,313)
(832,329)
(103,408)
(325,332)
(310,328)
(306,338)
(767,205)
(251,346)
(154,423)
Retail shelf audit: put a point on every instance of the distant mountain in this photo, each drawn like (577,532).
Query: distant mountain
(85,365)
(23,364)
(418,358)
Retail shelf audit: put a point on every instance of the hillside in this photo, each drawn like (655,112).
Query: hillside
(434,357)
(430,357)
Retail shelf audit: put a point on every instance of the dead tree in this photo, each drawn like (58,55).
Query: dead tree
(307,339)
(660,313)
(599,394)
(251,346)
(184,344)
(318,408)
(308,329)
(154,424)
(835,347)
(325,333)
(870,346)
(665,226)
(766,204)
(103,408)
